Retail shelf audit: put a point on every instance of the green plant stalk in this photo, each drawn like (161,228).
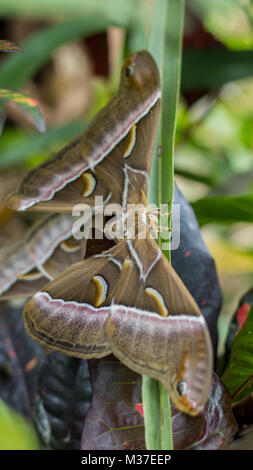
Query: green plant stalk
(151,390)
(151,412)
(155,47)
(166,420)
(171,69)
(165,44)
(170,92)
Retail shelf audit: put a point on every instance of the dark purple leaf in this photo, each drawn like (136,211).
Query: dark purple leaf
(20,361)
(216,423)
(196,267)
(62,400)
(243,410)
(115,418)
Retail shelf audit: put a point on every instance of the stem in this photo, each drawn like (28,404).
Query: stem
(166,428)
(151,404)
(165,44)
(171,69)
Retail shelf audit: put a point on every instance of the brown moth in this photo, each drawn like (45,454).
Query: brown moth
(103,160)
(47,249)
(127,300)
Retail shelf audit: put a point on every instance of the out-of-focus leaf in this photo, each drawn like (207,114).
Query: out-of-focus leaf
(39,46)
(196,267)
(20,361)
(18,148)
(213,67)
(29,106)
(224,209)
(194,157)
(238,184)
(62,400)
(118,11)
(246,136)
(136,38)
(230,258)
(16,433)
(238,377)
(227,20)
(2,120)
(9,46)
(115,419)
(238,320)
(205,179)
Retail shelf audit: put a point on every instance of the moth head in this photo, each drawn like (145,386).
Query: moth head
(140,72)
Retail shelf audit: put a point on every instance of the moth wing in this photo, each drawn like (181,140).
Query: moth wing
(70,313)
(19,276)
(59,183)
(172,350)
(23,288)
(52,246)
(47,249)
(119,142)
(159,331)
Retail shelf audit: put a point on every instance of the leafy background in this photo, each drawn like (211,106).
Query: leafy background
(70,66)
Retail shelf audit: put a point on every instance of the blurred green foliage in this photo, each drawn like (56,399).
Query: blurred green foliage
(16,433)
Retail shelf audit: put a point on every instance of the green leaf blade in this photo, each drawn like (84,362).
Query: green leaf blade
(39,47)
(224,209)
(165,44)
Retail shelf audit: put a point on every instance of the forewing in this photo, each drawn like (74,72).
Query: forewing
(119,139)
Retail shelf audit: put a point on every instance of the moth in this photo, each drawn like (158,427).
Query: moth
(102,161)
(46,250)
(126,300)
(131,303)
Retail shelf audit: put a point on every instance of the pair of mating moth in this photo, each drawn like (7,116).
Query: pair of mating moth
(127,300)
